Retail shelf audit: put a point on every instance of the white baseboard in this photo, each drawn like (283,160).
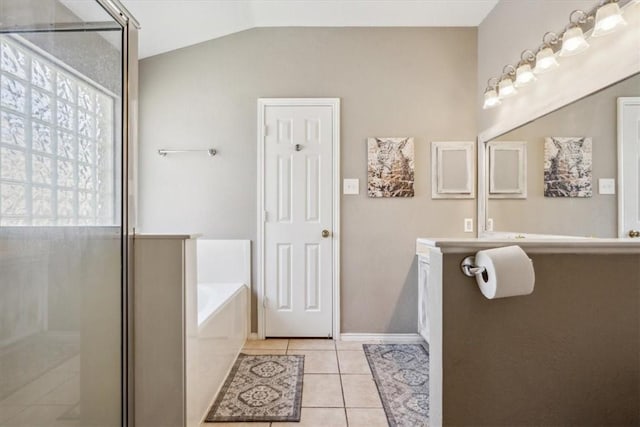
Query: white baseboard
(395,338)
(252,336)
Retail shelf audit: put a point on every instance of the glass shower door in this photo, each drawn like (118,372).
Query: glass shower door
(61,230)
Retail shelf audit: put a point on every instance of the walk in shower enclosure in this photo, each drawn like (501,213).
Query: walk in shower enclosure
(66,83)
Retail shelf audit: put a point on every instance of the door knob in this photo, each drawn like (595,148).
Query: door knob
(326,233)
(634,233)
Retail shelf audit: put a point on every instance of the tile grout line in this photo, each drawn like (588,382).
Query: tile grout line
(286,351)
(26,407)
(344,401)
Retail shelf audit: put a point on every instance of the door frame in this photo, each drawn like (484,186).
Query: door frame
(623,102)
(334,103)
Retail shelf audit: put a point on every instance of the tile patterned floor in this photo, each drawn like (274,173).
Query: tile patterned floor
(45,400)
(338,388)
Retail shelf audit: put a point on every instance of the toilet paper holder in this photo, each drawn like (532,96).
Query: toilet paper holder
(470,269)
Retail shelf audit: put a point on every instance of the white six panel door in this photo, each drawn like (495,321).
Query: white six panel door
(298,203)
(630,159)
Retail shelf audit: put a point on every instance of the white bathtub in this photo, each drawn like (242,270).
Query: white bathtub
(217,314)
(212,298)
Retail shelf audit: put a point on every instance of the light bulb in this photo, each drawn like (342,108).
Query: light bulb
(545,61)
(506,88)
(608,19)
(573,42)
(491,99)
(524,75)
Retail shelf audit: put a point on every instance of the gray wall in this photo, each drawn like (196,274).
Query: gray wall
(416,82)
(594,116)
(568,354)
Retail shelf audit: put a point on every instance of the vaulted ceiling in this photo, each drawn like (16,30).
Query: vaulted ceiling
(172,24)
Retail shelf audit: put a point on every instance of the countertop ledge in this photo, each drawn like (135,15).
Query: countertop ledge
(166,236)
(532,245)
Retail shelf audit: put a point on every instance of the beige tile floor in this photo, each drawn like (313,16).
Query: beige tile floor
(338,388)
(45,400)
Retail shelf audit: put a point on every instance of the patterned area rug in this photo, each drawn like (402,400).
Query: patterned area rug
(261,388)
(401,372)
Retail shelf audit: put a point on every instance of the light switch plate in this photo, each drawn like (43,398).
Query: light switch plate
(351,186)
(607,186)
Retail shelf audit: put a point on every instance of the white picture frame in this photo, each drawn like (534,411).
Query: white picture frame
(507,169)
(453,170)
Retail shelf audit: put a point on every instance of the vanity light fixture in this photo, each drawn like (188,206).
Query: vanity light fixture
(524,74)
(604,18)
(608,19)
(491,98)
(546,58)
(573,41)
(506,89)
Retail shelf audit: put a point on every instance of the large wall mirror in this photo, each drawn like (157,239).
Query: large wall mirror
(559,174)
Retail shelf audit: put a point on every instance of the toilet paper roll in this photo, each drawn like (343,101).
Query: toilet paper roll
(509,272)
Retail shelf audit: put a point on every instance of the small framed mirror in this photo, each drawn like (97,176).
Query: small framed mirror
(507,169)
(453,170)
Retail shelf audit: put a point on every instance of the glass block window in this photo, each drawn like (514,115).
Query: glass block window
(57,164)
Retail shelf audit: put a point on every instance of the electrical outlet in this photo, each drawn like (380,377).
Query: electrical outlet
(489,224)
(468,225)
(351,186)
